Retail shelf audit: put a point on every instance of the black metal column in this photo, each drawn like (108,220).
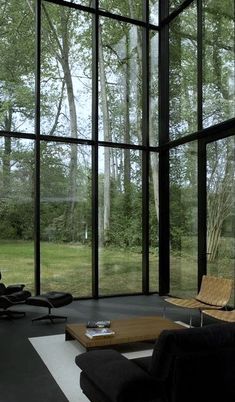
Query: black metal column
(145,155)
(164,266)
(37,260)
(201,156)
(95,72)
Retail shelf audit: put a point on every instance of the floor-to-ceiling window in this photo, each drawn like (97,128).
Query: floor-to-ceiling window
(106,175)
(75,123)
(17,166)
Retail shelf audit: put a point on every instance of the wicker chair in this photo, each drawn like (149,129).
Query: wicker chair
(214,294)
(228,316)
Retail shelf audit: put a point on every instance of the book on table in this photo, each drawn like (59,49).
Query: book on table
(98,324)
(94,333)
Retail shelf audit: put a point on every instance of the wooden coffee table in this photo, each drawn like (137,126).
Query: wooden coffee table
(126,331)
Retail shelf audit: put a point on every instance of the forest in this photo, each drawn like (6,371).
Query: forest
(63,120)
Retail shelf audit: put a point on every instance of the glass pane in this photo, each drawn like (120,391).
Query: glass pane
(17,49)
(17,212)
(120,228)
(153,12)
(120,82)
(66,218)
(86,3)
(183,74)
(221,208)
(132,9)
(218,62)
(183,220)
(173,4)
(153,223)
(66,92)
(153,99)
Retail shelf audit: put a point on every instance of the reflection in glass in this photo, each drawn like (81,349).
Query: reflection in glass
(153,222)
(120,228)
(183,220)
(17,76)
(131,9)
(218,62)
(183,73)
(153,12)
(66,218)
(66,93)
(120,82)
(221,208)
(17,211)
(86,3)
(173,4)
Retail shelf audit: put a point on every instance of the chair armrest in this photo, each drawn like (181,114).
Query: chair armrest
(120,379)
(14,288)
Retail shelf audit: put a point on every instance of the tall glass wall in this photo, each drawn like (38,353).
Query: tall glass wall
(90,92)
(84,194)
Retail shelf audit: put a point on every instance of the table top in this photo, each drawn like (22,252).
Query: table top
(126,330)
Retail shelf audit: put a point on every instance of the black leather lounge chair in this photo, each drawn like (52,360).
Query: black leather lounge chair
(11,296)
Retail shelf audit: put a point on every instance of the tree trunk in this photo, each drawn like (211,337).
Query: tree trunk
(107,137)
(71,223)
(6,160)
(220,204)
(138,75)
(62,55)
(127,164)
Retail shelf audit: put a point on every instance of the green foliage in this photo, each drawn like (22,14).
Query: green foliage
(66,76)
(16,220)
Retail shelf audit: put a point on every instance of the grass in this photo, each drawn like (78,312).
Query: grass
(67,267)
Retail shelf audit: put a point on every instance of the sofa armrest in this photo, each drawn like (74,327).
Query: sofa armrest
(120,379)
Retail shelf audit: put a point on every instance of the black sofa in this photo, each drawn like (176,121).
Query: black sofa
(188,365)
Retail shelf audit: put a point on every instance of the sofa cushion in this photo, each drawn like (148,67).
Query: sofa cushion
(120,379)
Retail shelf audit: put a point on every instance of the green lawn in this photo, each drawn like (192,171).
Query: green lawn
(67,267)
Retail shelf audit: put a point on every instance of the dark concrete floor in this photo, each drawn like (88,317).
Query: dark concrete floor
(25,378)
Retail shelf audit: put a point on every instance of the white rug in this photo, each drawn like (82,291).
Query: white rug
(59,357)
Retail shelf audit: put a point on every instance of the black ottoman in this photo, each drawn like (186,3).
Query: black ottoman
(50,300)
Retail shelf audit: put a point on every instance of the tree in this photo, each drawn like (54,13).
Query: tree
(17,75)
(219,106)
(220,184)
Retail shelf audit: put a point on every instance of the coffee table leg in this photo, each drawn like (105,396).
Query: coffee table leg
(68,336)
